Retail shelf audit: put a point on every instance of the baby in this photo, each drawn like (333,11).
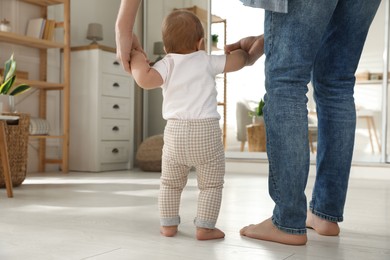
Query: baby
(192,136)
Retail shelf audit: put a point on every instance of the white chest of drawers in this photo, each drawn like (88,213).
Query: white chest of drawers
(101,112)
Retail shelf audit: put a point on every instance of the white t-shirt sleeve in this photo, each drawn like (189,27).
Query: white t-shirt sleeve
(218,63)
(162,67)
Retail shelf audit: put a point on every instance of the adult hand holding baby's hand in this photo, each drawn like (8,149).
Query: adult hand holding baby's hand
(136,44)
(253,45)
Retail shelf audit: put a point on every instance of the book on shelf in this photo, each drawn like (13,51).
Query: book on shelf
(48,32)
(35,27)
(41,28)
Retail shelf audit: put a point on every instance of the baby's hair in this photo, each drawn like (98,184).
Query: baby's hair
(181,32)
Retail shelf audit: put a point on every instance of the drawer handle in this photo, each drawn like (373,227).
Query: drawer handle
(115,129)
(116,85)
(116,63)
(116,106)
(115,150)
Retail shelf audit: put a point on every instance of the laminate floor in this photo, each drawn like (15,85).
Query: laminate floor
(113,215)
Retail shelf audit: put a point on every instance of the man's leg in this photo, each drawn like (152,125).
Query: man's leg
(333,80)
(292,41)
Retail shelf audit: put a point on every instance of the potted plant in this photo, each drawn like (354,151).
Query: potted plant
(214,39)
(256,133)
(257,115)
(7,88)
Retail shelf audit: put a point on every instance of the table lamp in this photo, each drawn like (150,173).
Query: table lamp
(158,49)
(95,32)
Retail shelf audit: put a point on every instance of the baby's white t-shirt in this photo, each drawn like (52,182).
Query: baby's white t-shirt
(189,88)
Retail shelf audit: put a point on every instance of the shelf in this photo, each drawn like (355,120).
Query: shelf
(23,40)
(369,82)
(93,47)
(41,84)
(44,2)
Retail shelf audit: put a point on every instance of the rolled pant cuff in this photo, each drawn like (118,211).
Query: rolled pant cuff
(166,222)
(325,216)
(204,223)
(292,231)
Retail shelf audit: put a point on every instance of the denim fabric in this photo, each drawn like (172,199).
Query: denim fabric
(270,5)
(318,40)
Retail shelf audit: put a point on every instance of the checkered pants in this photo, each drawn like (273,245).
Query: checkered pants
(190,143)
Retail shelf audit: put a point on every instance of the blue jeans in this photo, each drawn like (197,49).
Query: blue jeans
(319,41)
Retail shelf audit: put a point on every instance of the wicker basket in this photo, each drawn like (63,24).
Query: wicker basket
(17,141)
(149,154)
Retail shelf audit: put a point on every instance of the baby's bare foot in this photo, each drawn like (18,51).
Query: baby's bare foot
(168,231)
(208,234)
(267,231)
(322,226)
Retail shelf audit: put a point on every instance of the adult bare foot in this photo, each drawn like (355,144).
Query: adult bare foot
(267,231)
(322,226)
(208,234)
(168,231)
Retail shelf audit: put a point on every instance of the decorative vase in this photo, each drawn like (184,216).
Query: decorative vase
(256,135)
(258,120)
(7,103)
(5,26)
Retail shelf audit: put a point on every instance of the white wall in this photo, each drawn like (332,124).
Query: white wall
(84,12)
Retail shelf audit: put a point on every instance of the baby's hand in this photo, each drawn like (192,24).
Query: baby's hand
(139,52)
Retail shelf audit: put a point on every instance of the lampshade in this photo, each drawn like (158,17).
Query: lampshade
(158,48)
(95,32)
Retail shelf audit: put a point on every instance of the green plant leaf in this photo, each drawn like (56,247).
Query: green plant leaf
(2,86)
(260,107)
(20,89)
(9,79)
(9,68)
(6,86)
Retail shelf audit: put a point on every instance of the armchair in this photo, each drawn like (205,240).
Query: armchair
(243,119)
